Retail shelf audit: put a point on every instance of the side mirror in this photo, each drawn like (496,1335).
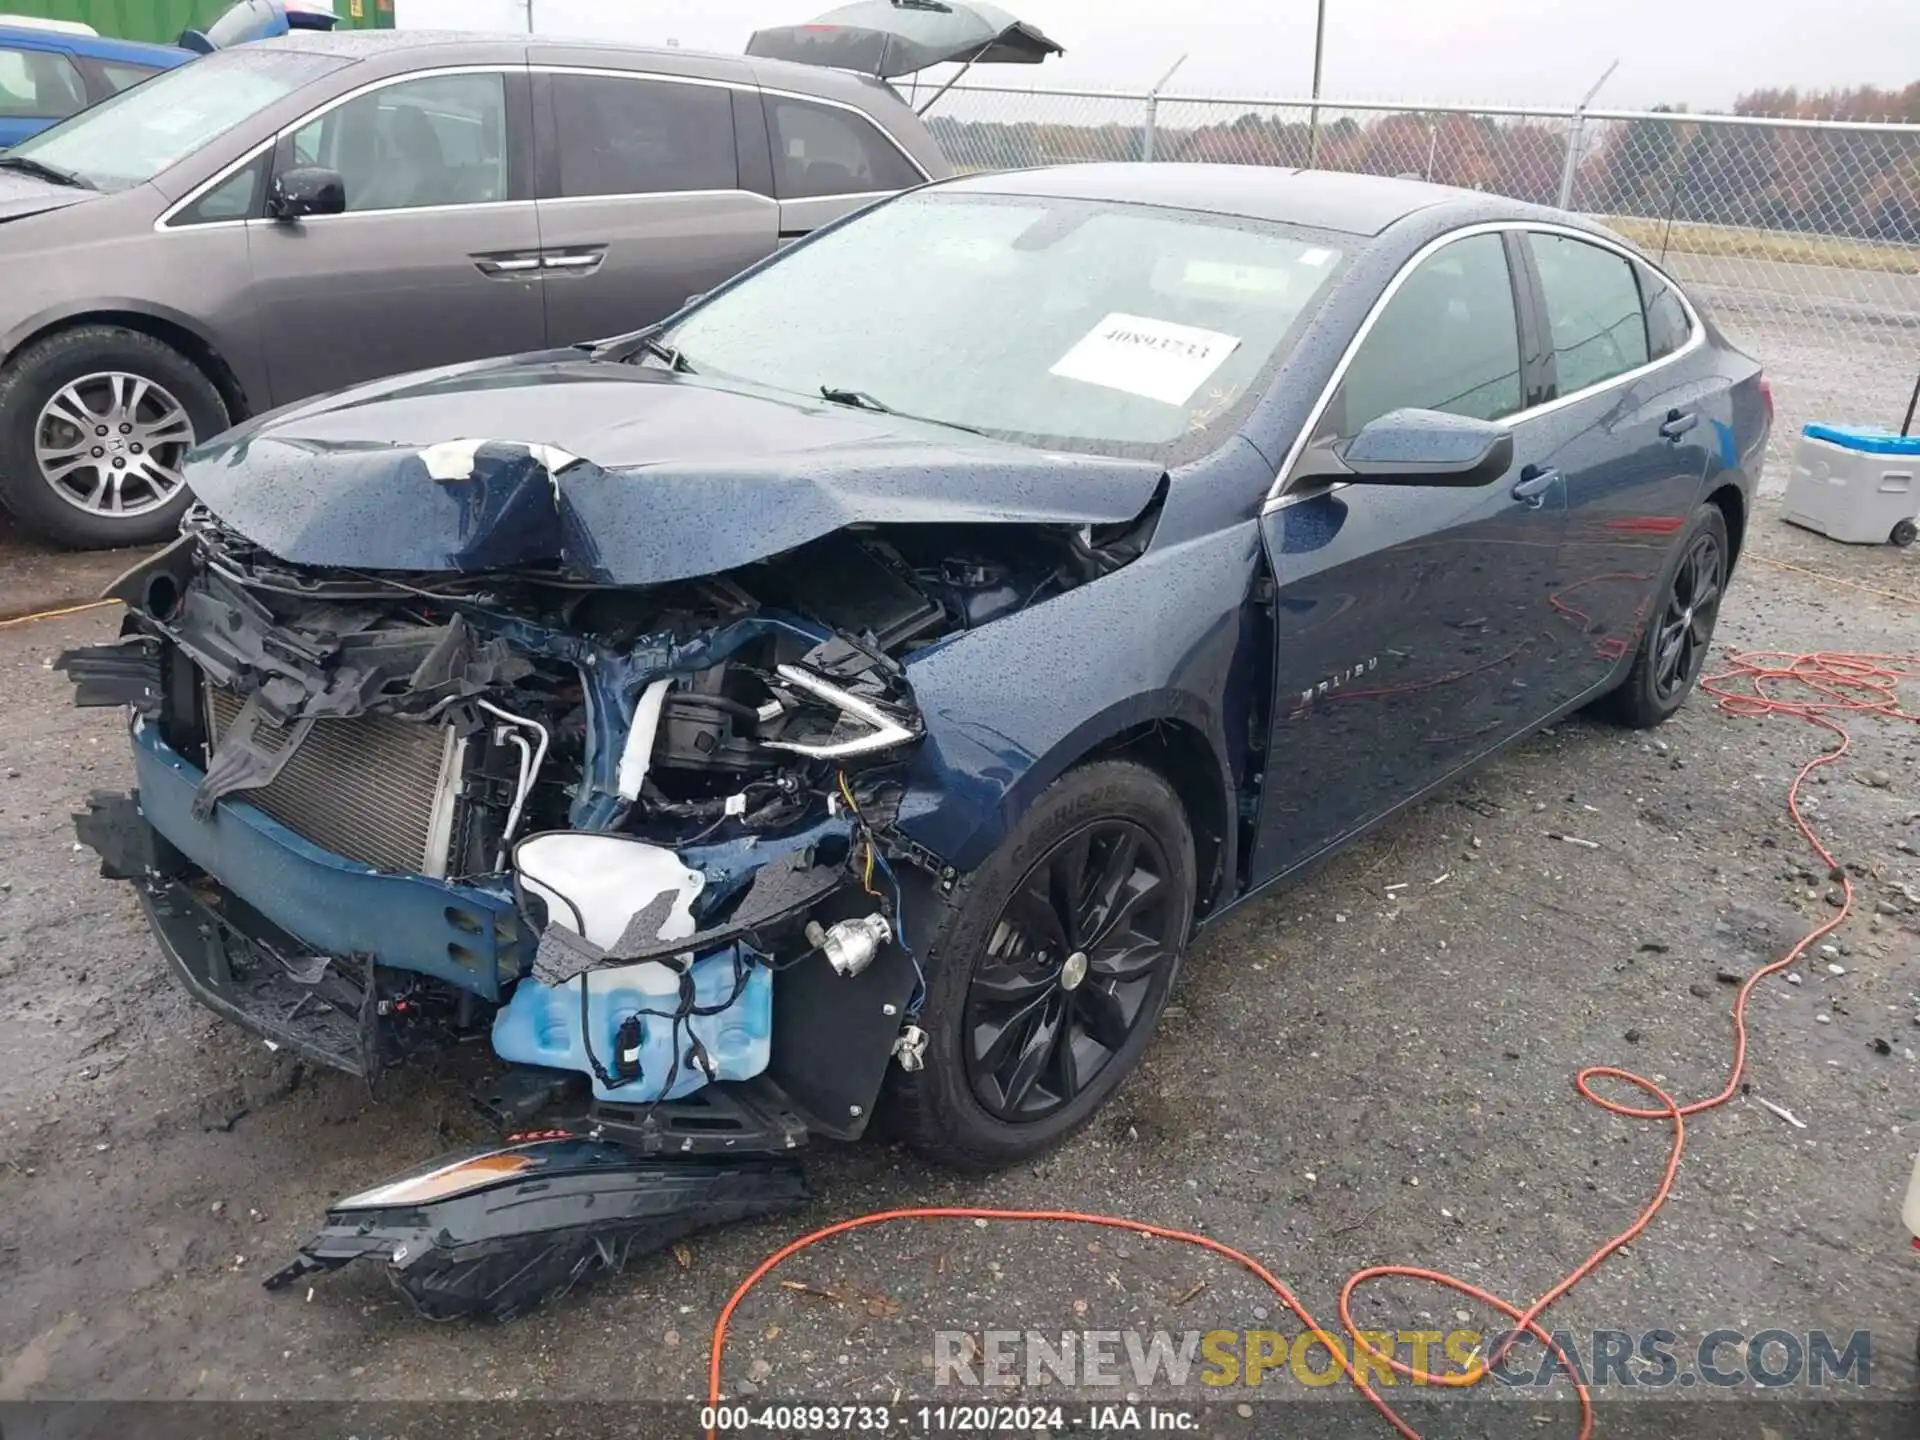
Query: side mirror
(308,190)
(1415,447)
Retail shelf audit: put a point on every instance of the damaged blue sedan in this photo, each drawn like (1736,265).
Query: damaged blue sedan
(849,697)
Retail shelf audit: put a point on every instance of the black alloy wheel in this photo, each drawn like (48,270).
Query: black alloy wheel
(1671,651)
(1069,968)
(1686,626)
(1046,968)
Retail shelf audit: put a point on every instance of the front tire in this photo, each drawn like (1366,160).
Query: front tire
(1047,969)
(1673,647)
(94,424)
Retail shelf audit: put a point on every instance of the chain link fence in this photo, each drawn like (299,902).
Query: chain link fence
(1800,237)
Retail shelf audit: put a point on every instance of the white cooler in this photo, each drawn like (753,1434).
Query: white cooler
(1855,483)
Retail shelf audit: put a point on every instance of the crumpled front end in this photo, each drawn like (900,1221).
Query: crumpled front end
(640,834)
(374,805)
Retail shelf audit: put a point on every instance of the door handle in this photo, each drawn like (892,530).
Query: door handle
(506,266)
(1677,423)
(1534,484)
(575,261)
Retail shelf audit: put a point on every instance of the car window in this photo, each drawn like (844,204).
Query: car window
(39,84)
(1593,310)
(642,137)
(1099,327)
(235,198)
(129,138)
(123,76)
(1448,340)
(439,140)
(822,150)
(1668,327)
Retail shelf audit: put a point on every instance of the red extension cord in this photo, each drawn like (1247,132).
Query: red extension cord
(1823,685)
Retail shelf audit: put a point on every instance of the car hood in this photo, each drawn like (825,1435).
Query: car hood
(621,474)
(23,195)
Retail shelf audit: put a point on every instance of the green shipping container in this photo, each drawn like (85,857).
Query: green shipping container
(161,21)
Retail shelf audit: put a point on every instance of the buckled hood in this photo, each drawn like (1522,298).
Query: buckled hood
(622,474)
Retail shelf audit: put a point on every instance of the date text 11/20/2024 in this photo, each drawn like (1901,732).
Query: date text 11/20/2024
(944,1419)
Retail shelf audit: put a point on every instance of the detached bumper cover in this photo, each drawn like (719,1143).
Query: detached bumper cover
(468,937)
(495,1232)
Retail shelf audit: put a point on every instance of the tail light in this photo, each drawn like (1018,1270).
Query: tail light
(1766,397)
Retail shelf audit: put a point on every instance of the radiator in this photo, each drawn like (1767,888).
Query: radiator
(374,789)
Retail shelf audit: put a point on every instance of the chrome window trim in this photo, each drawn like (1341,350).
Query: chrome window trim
(649,195)
(164,222)
(1277,494)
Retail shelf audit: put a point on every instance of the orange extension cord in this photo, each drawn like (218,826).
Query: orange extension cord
(1826,684)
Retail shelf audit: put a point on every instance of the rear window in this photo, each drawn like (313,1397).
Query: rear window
(39,85)
(1668,327)
(823,150)
(1593,310)
(123,76)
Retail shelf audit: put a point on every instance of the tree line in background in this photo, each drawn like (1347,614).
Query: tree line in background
(1862,184)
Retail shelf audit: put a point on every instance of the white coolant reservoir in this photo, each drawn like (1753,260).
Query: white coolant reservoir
(595,884)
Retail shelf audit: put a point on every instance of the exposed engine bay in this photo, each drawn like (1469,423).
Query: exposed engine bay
(679,789)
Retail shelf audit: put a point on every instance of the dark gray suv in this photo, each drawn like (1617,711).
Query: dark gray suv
(307,213)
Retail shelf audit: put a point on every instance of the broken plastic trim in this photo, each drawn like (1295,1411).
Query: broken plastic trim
(887,731)
(495,1232)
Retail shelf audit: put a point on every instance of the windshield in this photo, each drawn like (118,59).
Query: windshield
(130,138)
(1111,329)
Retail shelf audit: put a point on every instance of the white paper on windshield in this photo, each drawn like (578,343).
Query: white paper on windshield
(1155,358)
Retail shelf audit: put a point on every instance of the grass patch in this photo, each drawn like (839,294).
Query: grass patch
(1834,251)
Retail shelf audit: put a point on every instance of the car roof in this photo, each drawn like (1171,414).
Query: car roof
(1319,199)
(97,47)
(774,74)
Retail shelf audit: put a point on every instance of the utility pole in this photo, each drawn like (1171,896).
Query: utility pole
(1153,109)
(1576,138)
(529,4)
(1313,117)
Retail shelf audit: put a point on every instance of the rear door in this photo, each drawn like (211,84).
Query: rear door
(38,85)
(1632,416)
(436,259)
(1412,624)
(644,196)
(829,159)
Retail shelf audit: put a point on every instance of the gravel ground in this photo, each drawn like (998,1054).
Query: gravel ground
(1351,1075)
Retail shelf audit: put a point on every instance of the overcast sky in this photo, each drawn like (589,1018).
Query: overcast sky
(1698,52)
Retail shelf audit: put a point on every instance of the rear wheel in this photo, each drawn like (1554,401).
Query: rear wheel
(1904,534)
(1047,970)
(1673,648)
(94,426)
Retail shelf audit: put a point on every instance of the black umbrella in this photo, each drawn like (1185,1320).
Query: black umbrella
(889,38)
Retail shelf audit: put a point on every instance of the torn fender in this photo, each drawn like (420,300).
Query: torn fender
(676,477)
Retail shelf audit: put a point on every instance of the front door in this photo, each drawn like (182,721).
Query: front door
(1413,624)
(641,202)
(436,259)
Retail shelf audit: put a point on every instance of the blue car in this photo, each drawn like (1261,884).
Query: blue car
(854,693)
(50,69)
(49,73)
